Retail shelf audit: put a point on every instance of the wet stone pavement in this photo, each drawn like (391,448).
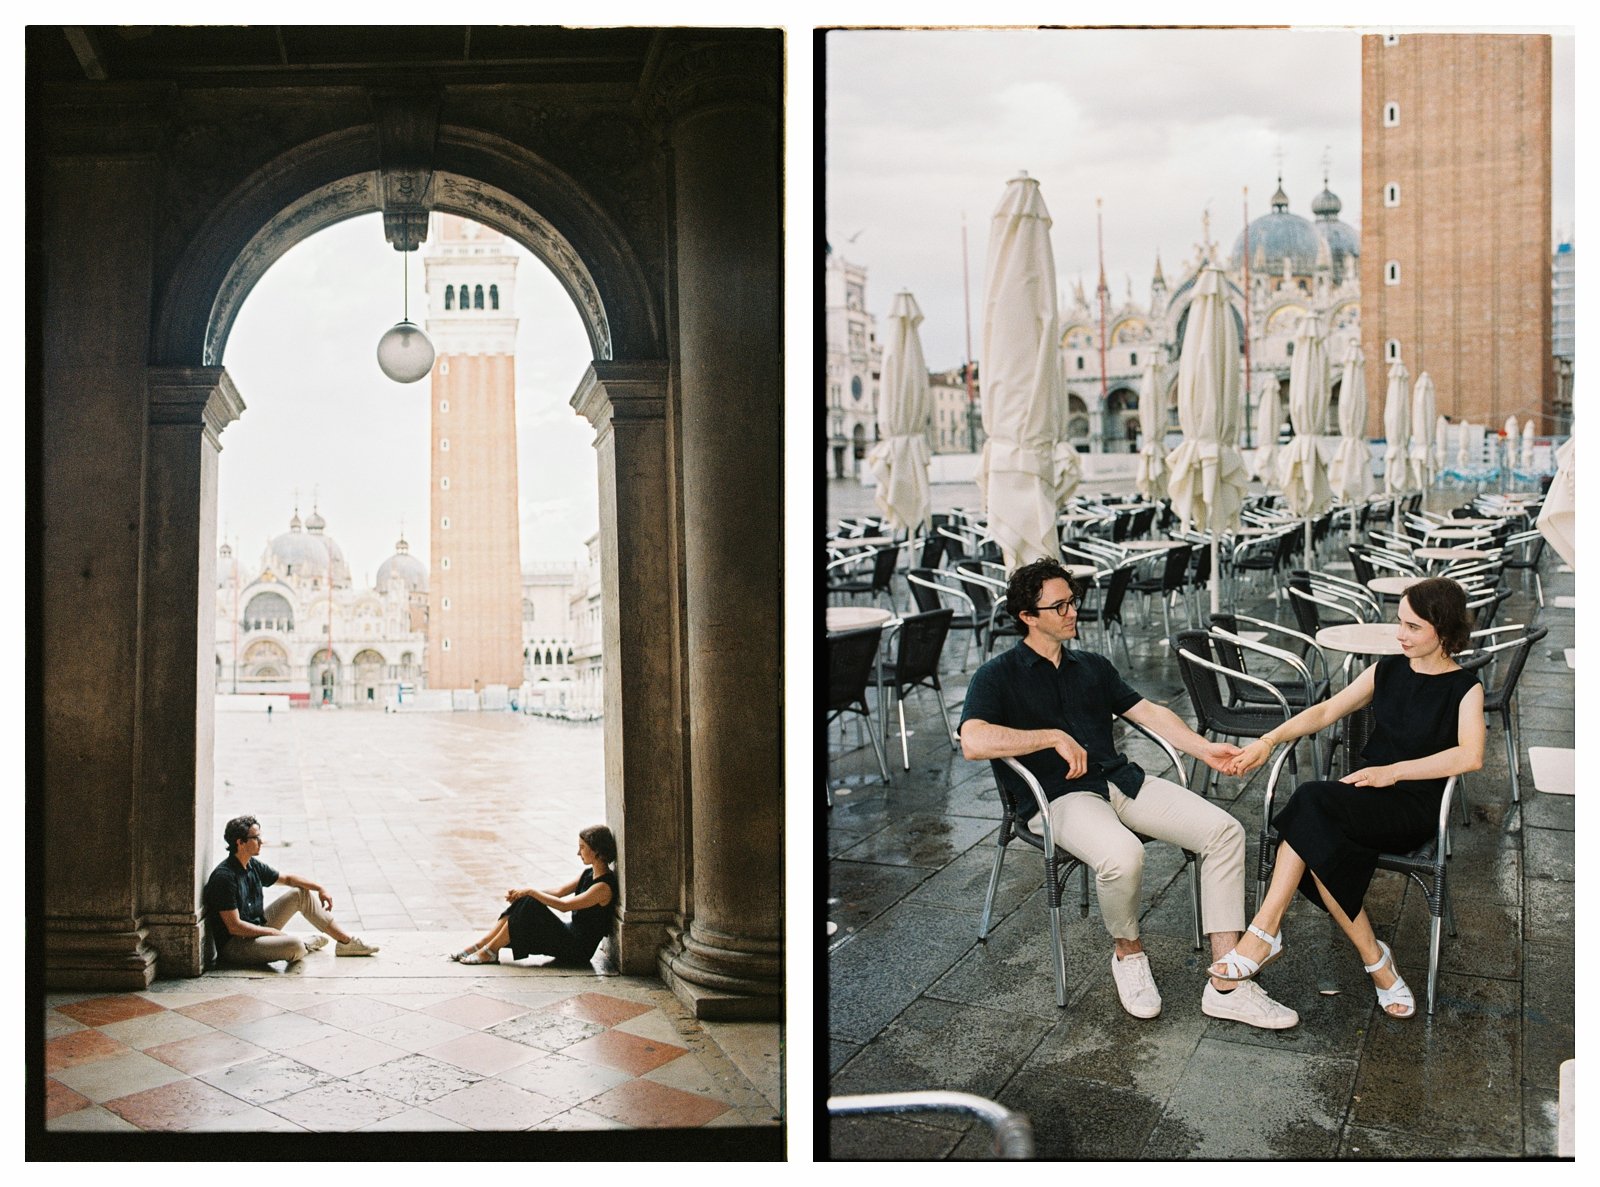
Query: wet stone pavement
(415,824)
(916,1002)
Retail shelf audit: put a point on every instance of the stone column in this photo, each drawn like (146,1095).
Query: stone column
(188,409)
(626,404)
(725,141)
(94,227)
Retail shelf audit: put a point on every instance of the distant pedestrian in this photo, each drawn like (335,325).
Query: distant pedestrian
(269,712)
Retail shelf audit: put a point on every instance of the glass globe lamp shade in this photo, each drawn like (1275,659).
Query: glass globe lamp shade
(404,353)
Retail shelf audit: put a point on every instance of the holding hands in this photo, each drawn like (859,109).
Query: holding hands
(1221,756)
(1248,759)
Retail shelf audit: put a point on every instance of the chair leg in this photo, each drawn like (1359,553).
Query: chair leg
(1060,954)
(1194,898)
(1511,753)
(994,881)
(877,746)
(905,754)
(1433,963)
(955,737)
(1083,890)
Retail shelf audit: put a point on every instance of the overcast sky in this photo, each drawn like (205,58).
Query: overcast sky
(322,418)
(924,126)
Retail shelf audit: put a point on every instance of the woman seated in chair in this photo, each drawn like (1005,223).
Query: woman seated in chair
(530,927)
(1428,725)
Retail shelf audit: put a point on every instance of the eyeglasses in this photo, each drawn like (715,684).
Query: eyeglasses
(253,837)
(1062,607)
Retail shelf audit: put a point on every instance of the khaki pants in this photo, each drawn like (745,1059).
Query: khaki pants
(1101,835)
(264,949)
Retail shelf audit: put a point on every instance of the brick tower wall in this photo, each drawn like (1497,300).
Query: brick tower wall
(1471,233)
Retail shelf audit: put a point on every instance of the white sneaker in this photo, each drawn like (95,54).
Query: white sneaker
(1249,1004)
(354,946)
(1136,986)
(315,943)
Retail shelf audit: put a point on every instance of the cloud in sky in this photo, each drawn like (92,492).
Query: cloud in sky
(322,418)
(924,126)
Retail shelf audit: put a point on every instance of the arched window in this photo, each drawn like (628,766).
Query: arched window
(536,659)
(477,297)
(466,301)
(494,296)
(449,298)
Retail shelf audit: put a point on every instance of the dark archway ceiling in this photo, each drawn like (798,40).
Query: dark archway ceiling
(245,55)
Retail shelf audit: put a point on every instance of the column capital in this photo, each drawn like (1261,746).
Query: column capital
(703,74)
(627,389)
(197,396)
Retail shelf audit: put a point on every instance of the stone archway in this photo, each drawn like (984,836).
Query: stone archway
(654,196)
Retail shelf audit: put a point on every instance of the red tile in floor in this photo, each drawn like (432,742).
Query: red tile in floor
(225,1011)
(99,1011)
(81,1046)
(204,1053)
(599,1007)
(477,1010)
(59,1099)
(179,1105)
(624,1051)
(645,1104)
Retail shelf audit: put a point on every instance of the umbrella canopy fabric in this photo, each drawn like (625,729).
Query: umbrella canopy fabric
(1441,434)
(1396,427)
(1512,441)
(1208,476)
(899,461)
(1350,476)
(1424,412)
(1558,520)
(1300,470)
(1269,415)
(1464,431)
(1027,468)
(1527,445)
(1151,476)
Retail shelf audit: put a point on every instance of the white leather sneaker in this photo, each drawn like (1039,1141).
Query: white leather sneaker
(1136,985)
(1248,1004)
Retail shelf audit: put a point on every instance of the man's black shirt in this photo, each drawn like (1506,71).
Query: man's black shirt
(1021,689)
(234,888)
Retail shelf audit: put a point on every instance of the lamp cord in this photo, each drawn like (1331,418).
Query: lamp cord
(405,284)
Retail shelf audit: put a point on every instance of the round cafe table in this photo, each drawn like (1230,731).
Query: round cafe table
(1081,571)
(1146,545)
(1440,555)
(1361,638)
(860,541)
(1457,533)
(1391,587)
(853,618)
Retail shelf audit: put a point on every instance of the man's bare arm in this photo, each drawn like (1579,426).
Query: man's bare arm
(982,739)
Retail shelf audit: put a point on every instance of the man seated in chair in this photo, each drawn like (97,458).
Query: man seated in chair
(1051,708)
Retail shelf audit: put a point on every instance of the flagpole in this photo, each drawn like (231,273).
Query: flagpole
(1102,294)
(966,302)
(1248,387)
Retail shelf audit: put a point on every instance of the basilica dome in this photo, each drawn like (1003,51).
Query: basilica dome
(1279,233)
(302,554)
(405,566)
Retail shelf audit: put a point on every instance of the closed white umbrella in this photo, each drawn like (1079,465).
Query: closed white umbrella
(1420,456)
(1396,427)
(1024,392)
(1151,476)
(1208,476)
(1511,442)
(1558,519)
(1441,435)
(1527,446)
(899,461)
(1269,415)
(1350,476)
(1463,458)
(1300,470)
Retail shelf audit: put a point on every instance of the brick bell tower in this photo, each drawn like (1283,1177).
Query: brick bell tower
(474,578)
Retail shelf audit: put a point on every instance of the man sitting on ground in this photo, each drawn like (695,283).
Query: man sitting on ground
(1051,709)
(247,933)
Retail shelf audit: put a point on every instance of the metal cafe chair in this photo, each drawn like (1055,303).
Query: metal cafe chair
(934,589)
(1013,1132)
(1300,689)
(1022,800)
(1500,682)
(1427,864)
(883,562)
(852,656)
(1109,612)
(916,665)
(1215,717)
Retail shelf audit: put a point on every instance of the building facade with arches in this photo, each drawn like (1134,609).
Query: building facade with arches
(642,166)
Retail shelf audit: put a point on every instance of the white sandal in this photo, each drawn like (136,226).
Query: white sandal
(1398,994)
(1242,968)
(481,957)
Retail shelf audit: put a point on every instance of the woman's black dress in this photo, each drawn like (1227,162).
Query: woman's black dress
(1340,829)
(536,930)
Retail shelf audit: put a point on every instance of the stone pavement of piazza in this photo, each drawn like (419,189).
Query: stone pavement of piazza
(916,1002)
(417,845)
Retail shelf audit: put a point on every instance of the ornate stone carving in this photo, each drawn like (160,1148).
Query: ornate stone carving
(693,76)
(473,199)
(407,123)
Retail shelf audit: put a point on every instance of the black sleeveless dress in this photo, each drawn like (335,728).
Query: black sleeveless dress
(536,930)
(1340,829)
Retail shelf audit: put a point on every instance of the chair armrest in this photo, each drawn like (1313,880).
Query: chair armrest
(1038,798)
(1229,673)
(1168,747)
(1312,644)
(1287,658)
(1013,1134)
(1272,784)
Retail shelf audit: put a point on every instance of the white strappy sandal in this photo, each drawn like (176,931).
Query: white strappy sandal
(1242,968)
(1398,994)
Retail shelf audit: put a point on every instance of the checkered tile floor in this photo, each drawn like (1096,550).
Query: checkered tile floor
(405,1040)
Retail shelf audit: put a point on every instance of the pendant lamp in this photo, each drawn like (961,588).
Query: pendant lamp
(405,354)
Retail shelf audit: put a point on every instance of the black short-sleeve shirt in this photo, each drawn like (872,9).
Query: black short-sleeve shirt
(234,888)
(1021,689)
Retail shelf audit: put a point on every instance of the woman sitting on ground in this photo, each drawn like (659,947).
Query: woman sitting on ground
(1428,725)
(530,926)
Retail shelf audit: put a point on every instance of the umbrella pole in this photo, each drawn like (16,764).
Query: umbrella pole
(1309,565)
(1216,577)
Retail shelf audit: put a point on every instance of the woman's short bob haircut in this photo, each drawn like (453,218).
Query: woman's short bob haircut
(1442,604)
(598,837)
